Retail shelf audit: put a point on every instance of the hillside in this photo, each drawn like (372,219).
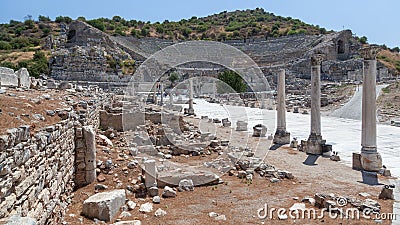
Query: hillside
(19,40)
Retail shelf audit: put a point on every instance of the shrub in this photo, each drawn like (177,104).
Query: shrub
(5,45)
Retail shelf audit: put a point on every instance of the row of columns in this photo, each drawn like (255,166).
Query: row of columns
(369,159)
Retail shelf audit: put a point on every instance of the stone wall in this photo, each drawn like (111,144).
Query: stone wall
(8,77)
(18,79)
(37,169)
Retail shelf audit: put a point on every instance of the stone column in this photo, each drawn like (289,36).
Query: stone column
(171,98)
(370,158)
(162,93)
(214,89)
(281,135)
(315,141)
(191,110)
(155,94)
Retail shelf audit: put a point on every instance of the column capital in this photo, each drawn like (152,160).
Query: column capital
(369,52)
(317,59)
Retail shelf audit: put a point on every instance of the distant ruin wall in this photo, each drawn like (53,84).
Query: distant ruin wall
(37,170)
(18,79)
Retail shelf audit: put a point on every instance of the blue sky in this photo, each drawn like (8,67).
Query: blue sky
(378,20)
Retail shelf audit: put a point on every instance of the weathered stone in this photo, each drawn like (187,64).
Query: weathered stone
(18,220)
(168,192)
(153,191)
(130,222)
(241,126)
(104,206)
(146,207)
(259,130)
(386,193)
(160,213)
(100,187)
(186,185)
(131,205)
(156,199)
(150,173)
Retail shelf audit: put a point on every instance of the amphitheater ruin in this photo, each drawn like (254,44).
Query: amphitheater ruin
(90,145)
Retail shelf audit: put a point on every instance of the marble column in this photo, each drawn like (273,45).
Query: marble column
(191,109)
(281,135)
(171,98)
(315,141)
(162,93)
(155,94)
(370,158)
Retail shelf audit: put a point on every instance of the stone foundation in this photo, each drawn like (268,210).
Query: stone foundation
(37,170)
(281,138)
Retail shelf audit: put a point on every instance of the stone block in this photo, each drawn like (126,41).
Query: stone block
(24,80)
(371,161)
(18,220)
(386,193)
(104,206)
(357,161)
(241,126)
(150,173)
(259,130)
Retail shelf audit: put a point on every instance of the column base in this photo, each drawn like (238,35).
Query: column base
(281,137)
(315,145)
(371,161)
(188,111)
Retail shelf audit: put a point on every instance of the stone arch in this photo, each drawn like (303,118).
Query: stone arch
(71,35)
(341,47)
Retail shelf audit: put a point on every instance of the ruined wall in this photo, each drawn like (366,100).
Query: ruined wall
(86,54)
(18,79)
(37,169)
(8,77)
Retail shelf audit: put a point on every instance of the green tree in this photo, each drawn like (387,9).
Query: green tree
(363,40)
(234,80)
(44,18)
(81,18)
(98,23)
(63,19)
(174,76)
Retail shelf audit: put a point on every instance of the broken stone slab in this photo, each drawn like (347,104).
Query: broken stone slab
(156,199)
(186,185)
(153,191)
(160,213)
(371,205)
(131,205)
(308,200)
(168,192)
(259,130)
(386,193)
(105,140)
(17,220)
(150,173)
(335,158)
(146,207)
(241,125)
(130,222)
(199,178)
(104,206)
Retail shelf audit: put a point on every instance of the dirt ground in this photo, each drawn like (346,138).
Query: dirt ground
(235,198)
(388,103)
(342,95)
(19,106)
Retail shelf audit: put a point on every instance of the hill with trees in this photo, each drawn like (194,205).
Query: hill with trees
(19,41)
